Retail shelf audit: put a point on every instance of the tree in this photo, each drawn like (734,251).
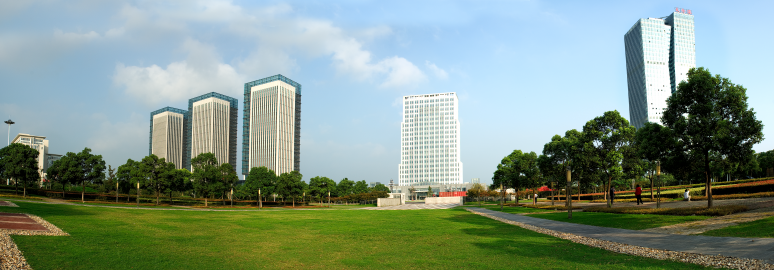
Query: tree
(81,168)
(709,115)
(126,175)
(289,185)
(653,143)
(206,175)
(261,180)
(477,190)
(345,187)
(228,178)
(179,180)
(20,162)
(429,191)
(609,135)
(155,173)
(381,187)
(321,186)
(360,187)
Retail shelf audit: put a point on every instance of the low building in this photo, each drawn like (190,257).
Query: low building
(39,143)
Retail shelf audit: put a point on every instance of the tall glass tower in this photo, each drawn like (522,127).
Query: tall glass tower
(212,128)
(430,140)
(167,133)
(659,52)
(271,128)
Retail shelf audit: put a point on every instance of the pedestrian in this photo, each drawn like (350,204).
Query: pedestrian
(535,198)
(638,194)
(687,195)
(612,194)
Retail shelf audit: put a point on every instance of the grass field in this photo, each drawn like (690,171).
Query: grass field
(110,238)
(763,228)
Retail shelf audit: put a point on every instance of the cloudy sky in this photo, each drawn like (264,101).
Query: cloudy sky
(88,73)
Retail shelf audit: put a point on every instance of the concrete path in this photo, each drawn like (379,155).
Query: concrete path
(751,248)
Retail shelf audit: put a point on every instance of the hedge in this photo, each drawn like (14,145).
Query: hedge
(682,211)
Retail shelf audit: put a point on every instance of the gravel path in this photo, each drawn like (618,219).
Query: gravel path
(699,242)
(10,255)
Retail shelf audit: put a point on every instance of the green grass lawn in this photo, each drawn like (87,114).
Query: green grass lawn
(110,238)
(621,221)
(759,228)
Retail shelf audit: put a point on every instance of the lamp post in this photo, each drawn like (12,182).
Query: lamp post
(138,193)
(9,122)
(552,193)
(260,200)
(569,199)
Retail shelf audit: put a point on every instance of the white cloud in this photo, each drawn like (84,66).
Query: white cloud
(28,50)
(440,73)
(401,73)
(202,72)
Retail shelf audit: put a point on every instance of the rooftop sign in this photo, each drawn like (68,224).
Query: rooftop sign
(684,11)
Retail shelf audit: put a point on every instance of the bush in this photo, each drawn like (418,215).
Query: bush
(750,187)
(557,207)
(682,211)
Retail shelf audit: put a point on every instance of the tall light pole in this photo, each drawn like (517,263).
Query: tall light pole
(9,122)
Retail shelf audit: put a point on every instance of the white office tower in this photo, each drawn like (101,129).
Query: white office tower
(40,144)
(167,135)
(213,127)
(430,140)
(659,52)
(272,125)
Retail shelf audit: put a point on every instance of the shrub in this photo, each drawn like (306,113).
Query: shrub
(734,196)
(557,207)
(682,211)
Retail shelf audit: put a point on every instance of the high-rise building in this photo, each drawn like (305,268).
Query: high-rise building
(167,135)
(659,52)
(430,140)
(212,128)
(271,133)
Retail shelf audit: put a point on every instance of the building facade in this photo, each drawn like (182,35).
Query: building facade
(167,135)
(271,135)
(212,128)
(430,140)
(45,160)
(659,52)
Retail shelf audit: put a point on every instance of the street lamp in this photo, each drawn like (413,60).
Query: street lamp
(9,122)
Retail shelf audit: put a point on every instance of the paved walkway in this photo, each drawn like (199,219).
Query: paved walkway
(751,248)
(414,206)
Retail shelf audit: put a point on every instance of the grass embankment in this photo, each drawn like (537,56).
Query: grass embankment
(621,221)
(681,211)
(110,238)
(763,228)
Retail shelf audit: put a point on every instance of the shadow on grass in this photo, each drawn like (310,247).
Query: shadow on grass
(550,252)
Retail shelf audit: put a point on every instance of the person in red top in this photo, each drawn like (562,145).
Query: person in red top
(638,194)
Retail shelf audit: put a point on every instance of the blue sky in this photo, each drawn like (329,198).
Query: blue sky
(88,73)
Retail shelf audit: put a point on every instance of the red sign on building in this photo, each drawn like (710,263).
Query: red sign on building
(453,194)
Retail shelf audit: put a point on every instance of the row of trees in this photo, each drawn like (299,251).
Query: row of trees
(263,182)
(708,133)
(19,162)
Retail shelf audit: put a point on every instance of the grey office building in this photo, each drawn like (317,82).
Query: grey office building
(659,52)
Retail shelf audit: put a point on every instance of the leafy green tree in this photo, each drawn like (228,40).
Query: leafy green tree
(126,176)
(206,175)
(654,143)
(516,170)
(765,161)
(227,179)
(360,187)
(81,168)
(261,179)
(180,180)
(320,186)
(345,187)
(429,191)
(709,115)
(478,190)
(20,162)
(289,186)
(381,187)
(610,135)
(155,173)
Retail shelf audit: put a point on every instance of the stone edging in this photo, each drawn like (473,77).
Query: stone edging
(10,204)
(700,259)
(10,255)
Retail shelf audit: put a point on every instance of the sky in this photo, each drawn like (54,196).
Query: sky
(87,73)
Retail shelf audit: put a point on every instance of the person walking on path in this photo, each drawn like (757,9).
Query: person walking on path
(638,194)
(687,195)
(612,195)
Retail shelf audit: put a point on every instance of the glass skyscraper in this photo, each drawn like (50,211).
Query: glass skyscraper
(430,140)
(271,129)
(167,135)
(212,128)
(659,52)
